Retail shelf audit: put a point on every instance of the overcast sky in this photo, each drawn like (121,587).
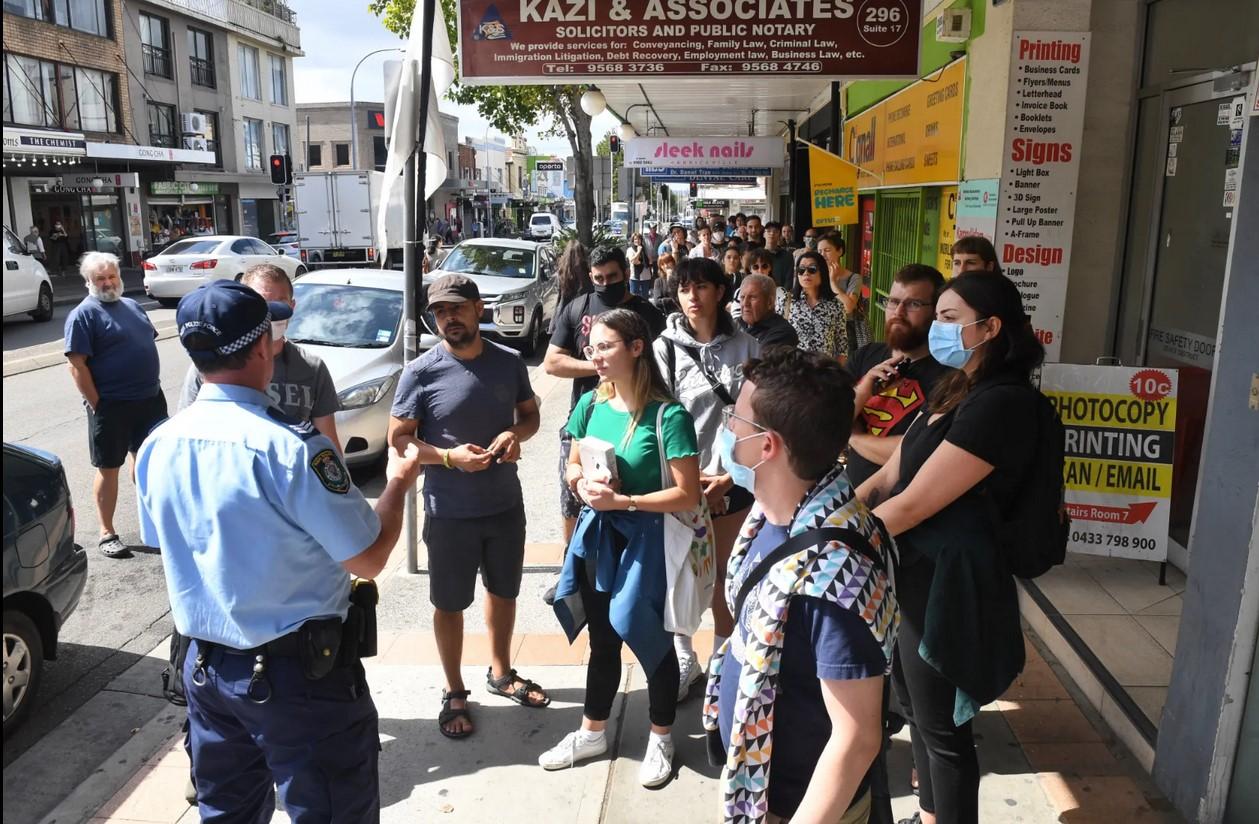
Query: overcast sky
(334,43)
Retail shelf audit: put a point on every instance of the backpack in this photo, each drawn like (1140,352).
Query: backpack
(1032,534)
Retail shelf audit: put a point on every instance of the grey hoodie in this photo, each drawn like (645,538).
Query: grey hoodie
(723,357)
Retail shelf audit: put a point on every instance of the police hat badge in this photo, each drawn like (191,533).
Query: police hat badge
(330,472)
(491,26)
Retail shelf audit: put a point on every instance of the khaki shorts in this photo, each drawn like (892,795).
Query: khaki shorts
(858,813)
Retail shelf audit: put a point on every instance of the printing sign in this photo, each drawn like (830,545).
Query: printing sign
(1120,436)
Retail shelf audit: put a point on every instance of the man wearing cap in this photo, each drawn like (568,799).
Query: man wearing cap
(467,405)
(260,529)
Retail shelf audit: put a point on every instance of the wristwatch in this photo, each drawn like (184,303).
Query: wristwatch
(633,507)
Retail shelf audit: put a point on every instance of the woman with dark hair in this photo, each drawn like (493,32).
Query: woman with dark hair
(640,272)
(974,253)
(614,573)
(661,287)
(957,470)
(813,311)
(572,272)
(848,287)
(701,355)
(732,264)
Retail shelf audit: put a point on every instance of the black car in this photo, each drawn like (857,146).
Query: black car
(44,571)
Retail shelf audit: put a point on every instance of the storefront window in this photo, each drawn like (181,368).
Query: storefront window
(170,221)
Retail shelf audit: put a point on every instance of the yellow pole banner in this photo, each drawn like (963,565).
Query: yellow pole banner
(833,187)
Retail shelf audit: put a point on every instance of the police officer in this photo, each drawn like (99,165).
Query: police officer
(260,529)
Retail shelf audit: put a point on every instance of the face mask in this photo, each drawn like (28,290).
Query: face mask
(744,476)
(611,292)
(278,327)
(945,343)
(810,242)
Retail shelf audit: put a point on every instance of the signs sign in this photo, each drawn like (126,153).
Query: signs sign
(913,137)
(948,229)
(720,176)
(30,141)
(977,208)
(703,152)
(109,181)
(832,188)
(571,41)
(125,151)
(1120,430)
(546,174)
(180,187)
(1041,165)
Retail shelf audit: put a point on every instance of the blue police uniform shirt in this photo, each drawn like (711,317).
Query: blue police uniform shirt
(253,515)
(117,338)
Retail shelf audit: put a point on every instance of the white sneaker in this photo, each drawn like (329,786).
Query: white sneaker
(657,764)
(688,673)
(576,746)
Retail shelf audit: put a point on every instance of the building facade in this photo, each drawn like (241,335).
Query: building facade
(328,143)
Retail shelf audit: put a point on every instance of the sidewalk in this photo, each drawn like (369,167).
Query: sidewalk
(1044,759)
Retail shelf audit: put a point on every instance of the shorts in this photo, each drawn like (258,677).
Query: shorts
(459,547)
(570,504)
(115,428)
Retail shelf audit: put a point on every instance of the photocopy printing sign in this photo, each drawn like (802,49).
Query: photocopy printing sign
(977,208)
(1120,435)
(1040,168)
(570,41)
(703,152)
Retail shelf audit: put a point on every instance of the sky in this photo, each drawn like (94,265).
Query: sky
(335,42)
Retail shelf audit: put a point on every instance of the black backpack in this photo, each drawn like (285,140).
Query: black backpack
(1032,534)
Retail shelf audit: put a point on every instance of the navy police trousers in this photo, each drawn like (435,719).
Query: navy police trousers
(316,741)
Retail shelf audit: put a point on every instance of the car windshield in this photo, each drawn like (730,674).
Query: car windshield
(335,314)
(191,247)
(497,261)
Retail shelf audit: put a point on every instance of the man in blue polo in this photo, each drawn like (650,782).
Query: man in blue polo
(260,529)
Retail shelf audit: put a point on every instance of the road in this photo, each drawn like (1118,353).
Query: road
(124,612)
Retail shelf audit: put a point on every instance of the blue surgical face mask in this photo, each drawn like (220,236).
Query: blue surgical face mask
(744,476)
(945,343)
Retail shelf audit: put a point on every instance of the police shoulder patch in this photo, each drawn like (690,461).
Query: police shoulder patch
(303,429)
(330,471)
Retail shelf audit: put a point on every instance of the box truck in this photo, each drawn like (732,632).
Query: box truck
(337,218)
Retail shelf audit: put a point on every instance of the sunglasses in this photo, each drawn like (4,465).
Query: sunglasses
(807,270)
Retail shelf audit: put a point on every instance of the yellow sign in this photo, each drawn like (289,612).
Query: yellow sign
(948,227)
(914,136)
(832,187)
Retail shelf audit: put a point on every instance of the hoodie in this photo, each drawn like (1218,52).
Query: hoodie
(723,357)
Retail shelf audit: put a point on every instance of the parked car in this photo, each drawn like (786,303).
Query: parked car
(287,243)
(27,287)
(543,226)
(107,241)
(44,572)
(352,319)
(194,261)
(517,283)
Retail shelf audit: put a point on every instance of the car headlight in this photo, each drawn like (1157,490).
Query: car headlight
(365,394)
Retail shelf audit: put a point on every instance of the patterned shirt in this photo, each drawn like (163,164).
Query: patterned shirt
(821,328)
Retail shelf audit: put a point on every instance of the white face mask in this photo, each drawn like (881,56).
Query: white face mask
(278,328)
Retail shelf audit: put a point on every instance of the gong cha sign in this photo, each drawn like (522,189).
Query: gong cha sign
(569,41)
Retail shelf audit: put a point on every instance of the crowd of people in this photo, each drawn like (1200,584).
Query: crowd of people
(840,489)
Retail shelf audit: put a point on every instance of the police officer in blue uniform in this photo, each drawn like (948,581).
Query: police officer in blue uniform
(260,529)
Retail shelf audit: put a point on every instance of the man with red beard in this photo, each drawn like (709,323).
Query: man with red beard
(895,377)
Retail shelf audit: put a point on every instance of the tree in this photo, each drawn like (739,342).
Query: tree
(510,109)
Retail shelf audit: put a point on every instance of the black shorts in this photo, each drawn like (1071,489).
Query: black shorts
(118,427)
(570,504)
(459,547)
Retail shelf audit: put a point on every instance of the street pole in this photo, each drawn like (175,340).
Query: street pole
(353,122)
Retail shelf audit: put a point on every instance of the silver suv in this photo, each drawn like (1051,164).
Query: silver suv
(517,283)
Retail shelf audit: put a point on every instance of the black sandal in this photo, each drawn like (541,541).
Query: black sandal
(498,686)
(447,714)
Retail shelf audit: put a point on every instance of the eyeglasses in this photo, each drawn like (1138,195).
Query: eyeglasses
(892,304)
(807,270)
(727,414)
(600,348)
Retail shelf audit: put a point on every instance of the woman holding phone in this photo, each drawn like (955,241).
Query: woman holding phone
(614,571)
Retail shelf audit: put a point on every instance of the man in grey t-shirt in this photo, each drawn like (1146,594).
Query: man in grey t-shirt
(301,386)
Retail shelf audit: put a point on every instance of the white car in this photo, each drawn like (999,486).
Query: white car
(543,226)
(27,288)
(352,319)
(286,242)
(194,261)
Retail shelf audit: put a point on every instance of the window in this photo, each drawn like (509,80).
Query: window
(343,154)
(201,58)
(47,94)
(162,125)
(98,100)
(279,81)
(212,135)
(380,152)
(250,82)
(314,155)
(91,16)
(155,45)
(280,138)
(253,144)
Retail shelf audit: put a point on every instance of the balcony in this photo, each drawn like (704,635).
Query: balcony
(202,72)
(267,19)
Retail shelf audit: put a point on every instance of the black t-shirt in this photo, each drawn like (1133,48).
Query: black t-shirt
(572,329)
(773,330)
(890,411)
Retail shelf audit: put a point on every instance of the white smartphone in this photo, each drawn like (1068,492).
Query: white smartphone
(598,458)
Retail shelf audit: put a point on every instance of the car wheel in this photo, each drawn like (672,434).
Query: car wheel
(169,303)
(43,309)
(23,667)
(533,338)
(301,270)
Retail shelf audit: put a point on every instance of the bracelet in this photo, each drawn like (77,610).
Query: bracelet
(446,459)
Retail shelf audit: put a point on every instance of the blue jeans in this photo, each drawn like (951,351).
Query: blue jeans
(642,288)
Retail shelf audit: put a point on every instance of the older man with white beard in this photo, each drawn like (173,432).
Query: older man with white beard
(113,361)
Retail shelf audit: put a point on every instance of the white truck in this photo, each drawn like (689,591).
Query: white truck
(336,218)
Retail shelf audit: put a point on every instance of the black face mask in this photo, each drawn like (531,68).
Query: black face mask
(611,292)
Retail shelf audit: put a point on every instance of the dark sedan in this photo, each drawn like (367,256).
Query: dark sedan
(44,571)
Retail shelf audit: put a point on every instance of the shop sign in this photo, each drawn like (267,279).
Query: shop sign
(832,189)
(1186,347)
(546,174)
(710,204)
(703,152)
(1041,164)
(716,177)
(948,229)
(913,137)
(570,41)
(125,151)
(109,181)
(28,141)
(1120,427)
(977,208)
(182,187)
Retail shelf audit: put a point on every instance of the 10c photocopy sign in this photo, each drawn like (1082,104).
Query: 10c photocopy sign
(1120,432)
(569,41)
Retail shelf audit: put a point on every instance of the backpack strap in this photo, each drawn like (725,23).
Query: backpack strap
(849,537)
(671,358)
(719,389)
(666,477)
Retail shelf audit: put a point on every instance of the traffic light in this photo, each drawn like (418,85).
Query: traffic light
(614,143)
(694,189)
(281,170)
